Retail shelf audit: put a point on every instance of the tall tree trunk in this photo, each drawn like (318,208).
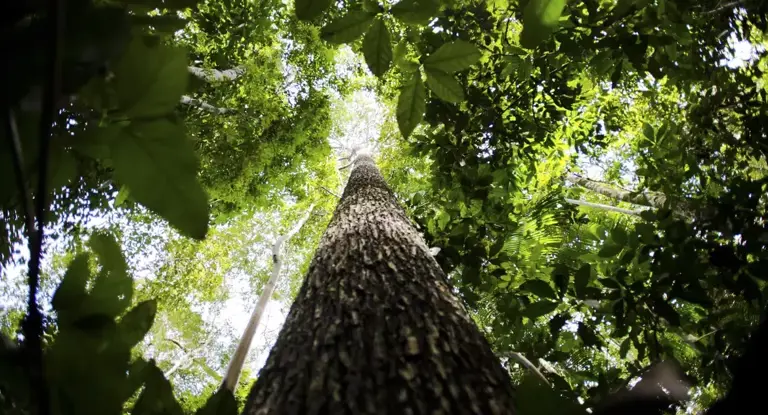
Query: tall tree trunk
(238,359)
(375,328)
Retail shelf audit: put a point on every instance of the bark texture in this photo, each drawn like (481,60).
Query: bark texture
(375,328)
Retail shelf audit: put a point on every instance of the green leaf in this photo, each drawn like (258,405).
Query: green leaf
(539,308)
(513,66)
(150,78)
(136,323)
(113,288)
(157,397)
(540,288)
(453,57)
(581,279)
(588,335)
(646,233)
(648,131)
(534,397)
(624,348)
(540,18)
(347,28)
(471,275)
(372,6)
(71,291)
(377,48)
(122,196)
(411,105)
(444,86)
(309,9)
(220,403)
(609,250)
(561,276)
(514,49)
(619,236)
(443,219)
(416,12)
(156,161)
(665,310)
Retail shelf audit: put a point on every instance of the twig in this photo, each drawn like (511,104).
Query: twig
(330,192)
(21,178)
(528,365)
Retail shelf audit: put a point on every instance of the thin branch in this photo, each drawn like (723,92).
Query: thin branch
(238,359)
(21,178)
(605,207)
(528,365)
(330,192)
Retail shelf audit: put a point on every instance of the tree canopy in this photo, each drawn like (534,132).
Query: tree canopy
(592,173)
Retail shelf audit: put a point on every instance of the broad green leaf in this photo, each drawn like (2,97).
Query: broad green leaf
(347,28)
(534,397)
(513,66)
(411,104)
(445,86)
(150,78)
(471,275)
(619,236)
(453,57)
(157,397)
(624,348)
(539,308)
(540,18)
(113,288)
(122,196)
(372,6)
(156,161)
(220,403)
(136,323)
(646,233)
(71,290)
(540,288)
(377,48)
(443,219)
(581,280)
(561,276)
(416,12)
(666,311)
(649,132)
(309,9)
(609,250)
(514,49)
(588,335)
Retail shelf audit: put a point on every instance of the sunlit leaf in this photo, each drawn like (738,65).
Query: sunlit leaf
(540,18)
(445,86)
(157,163)
(377,48)
(415,11)
(309,9)
(453,57)
(347,28)
(411,104)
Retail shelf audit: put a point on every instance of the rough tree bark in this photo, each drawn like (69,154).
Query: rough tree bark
(642,199)
(375,328)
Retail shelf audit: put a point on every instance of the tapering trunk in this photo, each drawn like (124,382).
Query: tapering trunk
(375,328)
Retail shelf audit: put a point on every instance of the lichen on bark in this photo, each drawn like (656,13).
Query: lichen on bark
(375,328)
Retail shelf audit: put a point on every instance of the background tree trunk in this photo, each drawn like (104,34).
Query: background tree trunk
(375,328)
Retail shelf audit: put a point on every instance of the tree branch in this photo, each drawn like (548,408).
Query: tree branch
(238,359)
(212,75)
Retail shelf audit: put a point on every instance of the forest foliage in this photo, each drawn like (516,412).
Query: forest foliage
(594,173)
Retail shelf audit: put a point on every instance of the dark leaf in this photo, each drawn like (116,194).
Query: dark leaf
(309,9)
(581,279)
(588,335)
(453,57)
(444,86)
(609,250)
(536,398)
(136,323)
(540,18)
(220,403)
(347,28)
(416,12)
(539,308)
(540,288)
(411,104)
(665,310)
